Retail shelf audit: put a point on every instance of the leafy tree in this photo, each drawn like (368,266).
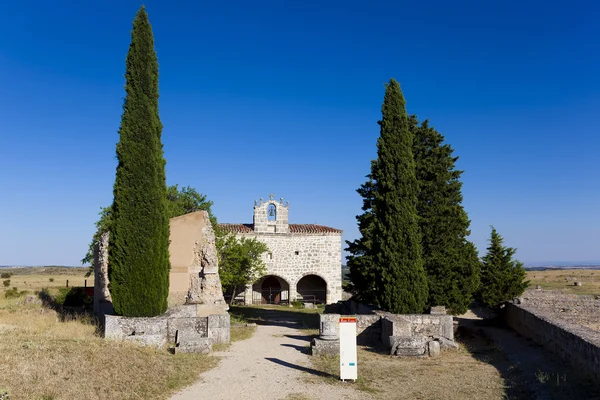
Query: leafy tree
(502,278)
(139,240)
(187,200)
(450,260)
(400,283)
(240,262)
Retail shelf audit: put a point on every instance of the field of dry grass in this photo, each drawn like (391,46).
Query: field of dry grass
(46,357)
(565,280)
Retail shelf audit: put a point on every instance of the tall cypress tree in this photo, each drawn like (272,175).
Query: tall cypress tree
(450,260)
(139,240)
(400,281)
(502,278)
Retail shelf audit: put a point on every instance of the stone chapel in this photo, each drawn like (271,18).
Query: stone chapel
(303,262)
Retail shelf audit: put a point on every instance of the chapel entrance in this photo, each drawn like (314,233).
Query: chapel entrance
(272,290)
(312,289)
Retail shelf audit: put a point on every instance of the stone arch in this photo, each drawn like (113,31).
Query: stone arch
(270,289)
(312,288)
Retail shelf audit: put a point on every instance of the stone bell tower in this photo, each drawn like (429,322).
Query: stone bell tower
(271,216)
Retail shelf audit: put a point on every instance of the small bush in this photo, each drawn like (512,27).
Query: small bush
(5,275)
(6,283)
(4,393)
(297,304)
(14,293)
(51,279)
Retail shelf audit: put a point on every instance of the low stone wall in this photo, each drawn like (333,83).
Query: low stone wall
(416,325)
(187,328)
(404,334)
(574,343)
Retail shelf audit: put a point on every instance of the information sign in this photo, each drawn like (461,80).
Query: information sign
(348,367)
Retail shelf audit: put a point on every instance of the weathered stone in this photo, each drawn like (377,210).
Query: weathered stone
(325,347)
(407,345)
(578,284)
(438,310)
(329,326)
(219,328)
(146,331)
(433,348)
(194,345)
(446,344)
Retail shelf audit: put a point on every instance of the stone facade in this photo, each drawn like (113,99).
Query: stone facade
(304,260)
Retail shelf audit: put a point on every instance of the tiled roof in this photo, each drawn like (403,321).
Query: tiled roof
(294,228)
(237,228)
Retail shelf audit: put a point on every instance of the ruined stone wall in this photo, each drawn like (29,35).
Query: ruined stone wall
(575,343)
(292,256)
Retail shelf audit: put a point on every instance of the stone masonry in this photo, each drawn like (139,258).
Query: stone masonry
(305,259)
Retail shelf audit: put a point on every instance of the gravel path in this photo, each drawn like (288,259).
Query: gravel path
(272,364)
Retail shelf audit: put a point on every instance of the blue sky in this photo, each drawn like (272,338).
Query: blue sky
(284,97)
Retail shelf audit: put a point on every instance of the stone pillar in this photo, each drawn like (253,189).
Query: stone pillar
(329,326)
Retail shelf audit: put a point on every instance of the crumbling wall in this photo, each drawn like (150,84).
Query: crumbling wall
(575,343)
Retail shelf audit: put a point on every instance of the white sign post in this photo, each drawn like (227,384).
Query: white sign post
(348,367)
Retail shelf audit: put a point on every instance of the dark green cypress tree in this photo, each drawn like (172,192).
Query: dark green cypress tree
(450,260)
(400,281)
(139,240)
(502,278)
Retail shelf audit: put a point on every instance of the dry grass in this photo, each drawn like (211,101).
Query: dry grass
(42,357)
(564,280)
(455,375)
(34,279)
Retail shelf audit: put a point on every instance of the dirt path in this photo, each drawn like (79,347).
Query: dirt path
(272,364)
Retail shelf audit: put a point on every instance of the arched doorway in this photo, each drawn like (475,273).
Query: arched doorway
(270,289)
(312,289)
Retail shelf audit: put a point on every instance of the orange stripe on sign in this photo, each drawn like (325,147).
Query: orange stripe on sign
(348,319)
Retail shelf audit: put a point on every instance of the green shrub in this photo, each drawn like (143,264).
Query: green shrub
(14,293)
(5,275)
(297,304)
(6,283)
(51,279)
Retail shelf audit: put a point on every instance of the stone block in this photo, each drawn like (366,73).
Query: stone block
(187,327)
(325,347)
(194,345)
(219,328)
(433,348)
(447,344)
(407,345)
(146,331)
(438,310)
